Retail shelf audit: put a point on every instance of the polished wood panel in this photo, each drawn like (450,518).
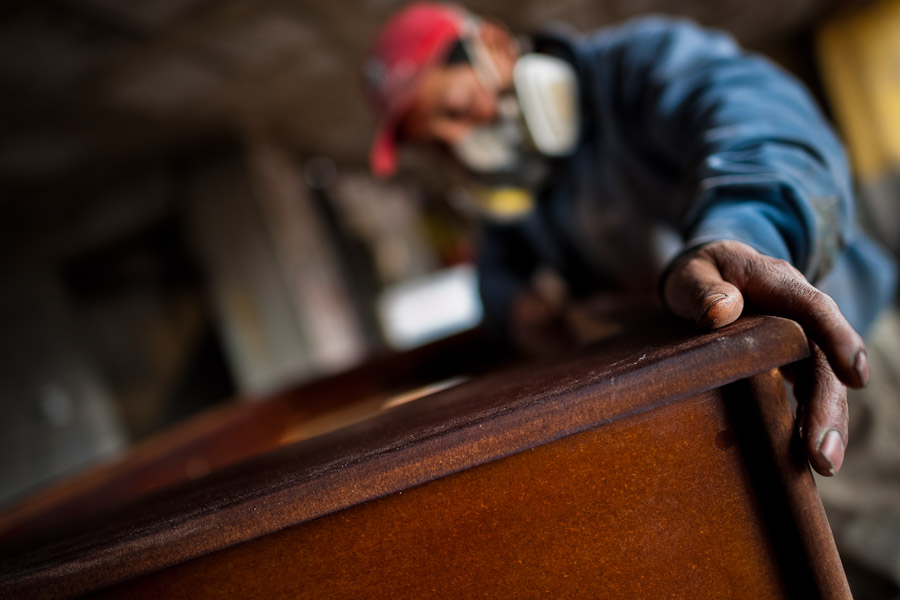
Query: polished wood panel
(246,427)
(635,509)
(565,419)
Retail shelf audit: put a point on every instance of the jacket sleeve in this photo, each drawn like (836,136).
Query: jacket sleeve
(758,161)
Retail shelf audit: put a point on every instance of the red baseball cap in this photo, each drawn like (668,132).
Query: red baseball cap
(412,42)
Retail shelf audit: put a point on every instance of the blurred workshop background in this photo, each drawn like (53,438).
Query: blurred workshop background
(187,218)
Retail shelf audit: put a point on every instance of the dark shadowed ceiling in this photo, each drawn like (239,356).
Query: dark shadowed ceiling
(91,84)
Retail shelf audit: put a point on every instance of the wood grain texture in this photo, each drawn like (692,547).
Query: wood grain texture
(648,506)
(243,428)
(792,500)
(470,425)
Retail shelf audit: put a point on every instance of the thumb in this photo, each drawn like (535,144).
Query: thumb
(694,289)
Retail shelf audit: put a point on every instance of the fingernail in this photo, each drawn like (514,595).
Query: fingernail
(832,450)
(711,301)
(861,364)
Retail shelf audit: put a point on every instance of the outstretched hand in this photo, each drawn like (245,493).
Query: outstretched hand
(710,286)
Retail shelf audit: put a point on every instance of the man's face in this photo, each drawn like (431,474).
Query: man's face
(453,99)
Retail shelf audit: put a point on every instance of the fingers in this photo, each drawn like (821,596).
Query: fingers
(772,286)
(823,419)
(695,290)
(710,285)
(775,287)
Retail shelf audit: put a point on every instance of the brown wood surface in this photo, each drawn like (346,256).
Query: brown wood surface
(649,506)
(473,424)
(769,431)
(243,428)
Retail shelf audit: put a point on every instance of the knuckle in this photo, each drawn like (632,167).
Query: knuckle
(732,247)
(822,307)
(735,260)
(785,269)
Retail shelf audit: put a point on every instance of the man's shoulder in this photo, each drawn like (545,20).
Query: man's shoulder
(647,34)
(558,37)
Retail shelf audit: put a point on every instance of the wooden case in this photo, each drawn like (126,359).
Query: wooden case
(657,463)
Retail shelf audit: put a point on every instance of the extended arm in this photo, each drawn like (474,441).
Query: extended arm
(767,205)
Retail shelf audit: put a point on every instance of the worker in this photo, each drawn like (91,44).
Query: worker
(655,155)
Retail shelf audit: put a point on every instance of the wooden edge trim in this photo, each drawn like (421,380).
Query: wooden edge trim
(797,481)
(85,565)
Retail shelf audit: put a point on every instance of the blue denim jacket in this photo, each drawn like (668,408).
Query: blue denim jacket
(686,139)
